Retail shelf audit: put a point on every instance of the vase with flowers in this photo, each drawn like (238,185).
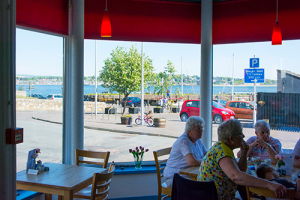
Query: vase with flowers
(280,161)
(138,154)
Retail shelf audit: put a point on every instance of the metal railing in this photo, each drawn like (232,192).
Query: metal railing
(282,110)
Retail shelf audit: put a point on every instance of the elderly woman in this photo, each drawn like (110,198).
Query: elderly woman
(187,151)
(219,164)
(262,145)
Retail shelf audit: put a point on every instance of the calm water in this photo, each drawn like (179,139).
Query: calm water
(58,89)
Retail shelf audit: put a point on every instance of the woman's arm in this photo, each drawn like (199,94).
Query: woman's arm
(243,157)
(271,152)
(297,161)
(232,171)
(251,146)
(191,161)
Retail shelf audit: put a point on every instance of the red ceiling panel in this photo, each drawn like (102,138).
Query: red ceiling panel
(44,15)
(157,21)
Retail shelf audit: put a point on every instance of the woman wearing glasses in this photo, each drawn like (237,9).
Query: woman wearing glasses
(187,151)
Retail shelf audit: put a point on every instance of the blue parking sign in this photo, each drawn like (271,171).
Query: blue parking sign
(254,62)
(251,74)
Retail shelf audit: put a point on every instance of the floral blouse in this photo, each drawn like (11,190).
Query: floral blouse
(211,171)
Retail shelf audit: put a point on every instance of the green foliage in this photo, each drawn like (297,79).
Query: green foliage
(164,79)
(122,71)
(21,88)
(178,93)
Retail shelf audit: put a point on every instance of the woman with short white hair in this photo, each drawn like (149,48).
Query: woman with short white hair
(263,145)
(187,151)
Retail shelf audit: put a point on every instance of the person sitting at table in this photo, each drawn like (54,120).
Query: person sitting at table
(296,151)
(219,164)
(262,145)
(187,150)
(266,172)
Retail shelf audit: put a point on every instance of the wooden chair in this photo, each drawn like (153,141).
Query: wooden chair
(269,193)
(162,187)
(92,154)
(100,187)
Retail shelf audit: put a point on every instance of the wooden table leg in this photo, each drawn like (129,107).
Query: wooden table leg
(48,196)
(68,195)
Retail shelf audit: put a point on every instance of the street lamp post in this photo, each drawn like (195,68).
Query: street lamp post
(95,79)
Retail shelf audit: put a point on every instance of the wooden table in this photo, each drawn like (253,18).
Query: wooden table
(61,179)
(190,171)
(193,173)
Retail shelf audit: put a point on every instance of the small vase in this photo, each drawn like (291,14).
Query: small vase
(138,159)
(277,167)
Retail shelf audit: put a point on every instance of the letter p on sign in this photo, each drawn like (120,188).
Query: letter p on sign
(254,62)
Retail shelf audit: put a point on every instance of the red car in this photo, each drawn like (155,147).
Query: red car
(192,108)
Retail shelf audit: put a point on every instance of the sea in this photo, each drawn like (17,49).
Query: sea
(45,90)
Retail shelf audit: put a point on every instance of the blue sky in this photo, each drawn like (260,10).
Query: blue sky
(41,54)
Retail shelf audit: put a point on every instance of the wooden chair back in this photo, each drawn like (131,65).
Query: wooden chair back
(268,193)
(92,154)
(162,189)
(101,182)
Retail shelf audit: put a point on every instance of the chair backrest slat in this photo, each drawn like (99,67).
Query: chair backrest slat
(92,154)
(157,154)
(269,193)
(101,182)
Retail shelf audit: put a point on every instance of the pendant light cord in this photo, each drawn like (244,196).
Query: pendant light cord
(106,5)
(276,9)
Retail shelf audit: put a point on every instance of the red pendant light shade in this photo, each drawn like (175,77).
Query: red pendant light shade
(105,25)
(276,36)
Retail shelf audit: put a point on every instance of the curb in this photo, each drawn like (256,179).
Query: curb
(111,130)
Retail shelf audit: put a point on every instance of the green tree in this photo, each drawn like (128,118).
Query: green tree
(122,71)
(21,88)
(170,71)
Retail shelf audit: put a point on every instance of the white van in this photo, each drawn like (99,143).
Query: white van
(55,97)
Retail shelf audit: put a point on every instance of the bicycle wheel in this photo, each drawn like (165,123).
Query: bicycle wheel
(150,121)
(138,121)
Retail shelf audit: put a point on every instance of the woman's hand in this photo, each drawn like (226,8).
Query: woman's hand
(279,189)
(244,148)
(255,144)
(262,143)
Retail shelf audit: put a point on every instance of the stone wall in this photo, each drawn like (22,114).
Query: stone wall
(52,105)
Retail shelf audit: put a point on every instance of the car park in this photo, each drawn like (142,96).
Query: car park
(242,109)
(220,101)
(39,96)
(132,101)
(55,97)
(192,108)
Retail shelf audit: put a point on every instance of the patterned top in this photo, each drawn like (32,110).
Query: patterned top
(211,171)
(262,151)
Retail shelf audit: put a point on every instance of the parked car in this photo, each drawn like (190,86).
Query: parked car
(192,108)
(55,97)
(242,109)
(39,96)
(220,101)
(132,101)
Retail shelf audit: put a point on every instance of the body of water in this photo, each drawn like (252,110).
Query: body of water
(45,90)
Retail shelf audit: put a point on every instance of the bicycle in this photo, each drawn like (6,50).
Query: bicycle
(147,118)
